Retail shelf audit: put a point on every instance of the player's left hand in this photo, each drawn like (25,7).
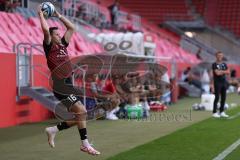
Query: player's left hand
(39,9)
(56,14)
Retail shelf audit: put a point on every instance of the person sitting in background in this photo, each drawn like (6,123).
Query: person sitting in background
(150,87)
(108,100)
(205,79)
(198,54)
(109,88)
(193,80)
(234,81)
(136,86)
(10,5)
(134,92)
(80,12)
(15,4)
(119,90)
(187,76)
(2,5)
(145,106)
(7,6)
(164,86)
(123,88)
(101,22)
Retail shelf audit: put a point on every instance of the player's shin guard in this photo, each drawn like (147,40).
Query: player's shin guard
(62,126)
(83,133)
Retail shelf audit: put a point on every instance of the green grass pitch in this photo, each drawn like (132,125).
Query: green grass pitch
(199,137)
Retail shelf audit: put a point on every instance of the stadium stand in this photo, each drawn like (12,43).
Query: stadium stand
(226,13)
(160,11)
(169,48)
(80,44)
(17,23)
(27,17)
(199,6)
(229,15)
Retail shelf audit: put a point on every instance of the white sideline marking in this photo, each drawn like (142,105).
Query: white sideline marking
(228,150)
(234,116)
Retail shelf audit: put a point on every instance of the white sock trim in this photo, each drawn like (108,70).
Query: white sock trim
(55,129)
(85,143)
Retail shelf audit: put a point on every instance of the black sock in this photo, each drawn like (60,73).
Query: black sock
(62,126)
(83,133)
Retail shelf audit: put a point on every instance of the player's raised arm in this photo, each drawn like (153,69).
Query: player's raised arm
(44,26)
(68,24)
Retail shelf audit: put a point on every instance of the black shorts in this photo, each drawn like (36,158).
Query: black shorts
(65,92)
(67,100)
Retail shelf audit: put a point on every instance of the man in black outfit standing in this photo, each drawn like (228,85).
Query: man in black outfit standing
(220,72)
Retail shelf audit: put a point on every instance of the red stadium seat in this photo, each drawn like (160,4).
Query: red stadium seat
(21,30)
(15,18)
(162,10)
(34,21)
(5,49)
(80,38)
(4,15)
(6,39)
(31,31)
(4,25)
(51,23)
(14,38)
(30,39)
(14,28)
(20,18)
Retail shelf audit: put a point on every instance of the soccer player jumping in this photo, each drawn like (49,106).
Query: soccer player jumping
(55,48)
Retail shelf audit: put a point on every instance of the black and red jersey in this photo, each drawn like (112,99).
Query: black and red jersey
(58,59)
(219,78)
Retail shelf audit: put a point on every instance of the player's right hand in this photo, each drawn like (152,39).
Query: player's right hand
(56,14)
(39,9)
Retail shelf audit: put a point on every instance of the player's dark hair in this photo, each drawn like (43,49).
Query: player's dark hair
(218,52)
(51,29)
